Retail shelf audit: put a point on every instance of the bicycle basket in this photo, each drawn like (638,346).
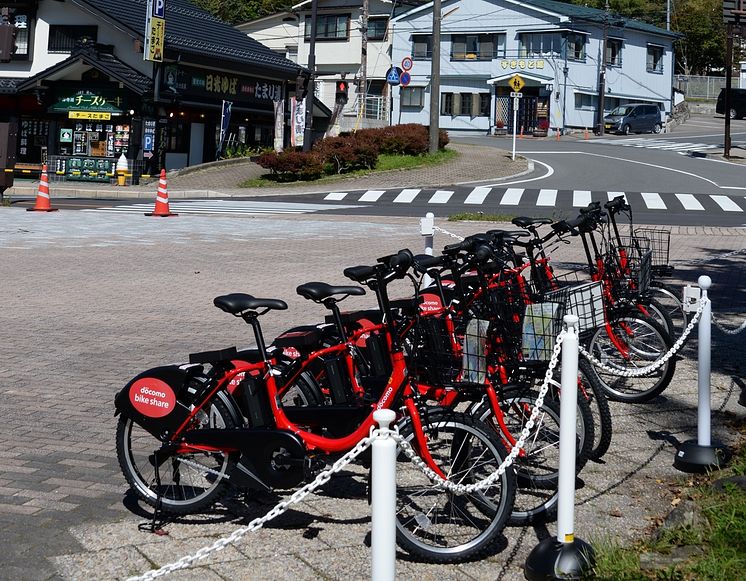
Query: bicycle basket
(660,244)
(542,323)
(474,354)
(584,300)
(433,356)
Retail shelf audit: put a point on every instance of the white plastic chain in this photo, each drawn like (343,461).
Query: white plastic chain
(259,522)
(727,331)
(642,371)
(490,480)
(451,234)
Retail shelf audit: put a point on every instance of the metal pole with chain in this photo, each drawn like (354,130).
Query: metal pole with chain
(702,454)
(427,229)
(383,500)
(566,556)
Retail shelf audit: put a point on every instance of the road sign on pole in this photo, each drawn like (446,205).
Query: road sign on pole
(516,95)
(516,82)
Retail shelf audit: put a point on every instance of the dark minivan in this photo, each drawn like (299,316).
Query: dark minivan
(634,117)
(737,103)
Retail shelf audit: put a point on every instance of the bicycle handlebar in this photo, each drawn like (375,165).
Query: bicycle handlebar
(618,204)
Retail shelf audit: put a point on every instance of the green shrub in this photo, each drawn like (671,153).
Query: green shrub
(346,153)
(292,165)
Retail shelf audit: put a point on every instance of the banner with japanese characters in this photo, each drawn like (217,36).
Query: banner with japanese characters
(297,121)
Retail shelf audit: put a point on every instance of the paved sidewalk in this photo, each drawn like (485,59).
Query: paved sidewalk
(474,163)
(91,299)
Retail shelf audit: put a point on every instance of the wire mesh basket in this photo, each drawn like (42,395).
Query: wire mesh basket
(542,322)
(581,298)
(629,269)
(659,241)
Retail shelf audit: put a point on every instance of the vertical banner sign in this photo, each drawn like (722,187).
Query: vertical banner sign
(225,121)
(155,31)
(279,124)
(298,122)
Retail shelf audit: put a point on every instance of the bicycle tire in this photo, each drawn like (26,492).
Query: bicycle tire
(649,342)
(594,393)
(184,489)
(652,308)
(585,429)
(537,469)
(674,306)
(442,527)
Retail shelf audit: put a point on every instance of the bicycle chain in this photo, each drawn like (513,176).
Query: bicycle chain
(660,362)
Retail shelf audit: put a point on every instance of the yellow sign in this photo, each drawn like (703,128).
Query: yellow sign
(90,115)
(516,83)
(157,39)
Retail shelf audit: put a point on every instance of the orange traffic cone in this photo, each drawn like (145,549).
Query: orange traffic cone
(521,134)
(557,134)
(585,133)
(42,196)
(161,199)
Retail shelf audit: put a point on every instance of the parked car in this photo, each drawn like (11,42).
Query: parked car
(737,103)
(634,117)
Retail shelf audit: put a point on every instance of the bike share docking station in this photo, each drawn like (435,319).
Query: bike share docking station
(564,556)
(702,454)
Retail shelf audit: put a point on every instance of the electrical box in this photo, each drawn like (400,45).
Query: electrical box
(692,295)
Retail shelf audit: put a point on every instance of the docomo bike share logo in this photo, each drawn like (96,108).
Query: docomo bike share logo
(152,397)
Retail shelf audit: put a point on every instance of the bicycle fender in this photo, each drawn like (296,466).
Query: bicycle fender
(154,399)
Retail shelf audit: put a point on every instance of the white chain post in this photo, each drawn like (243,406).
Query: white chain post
(564,557)
(701,455)
(383,495)
(427,229)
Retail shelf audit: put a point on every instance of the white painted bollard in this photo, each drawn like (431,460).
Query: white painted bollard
(565,556)
(703,455)
(427,229)
(383,500)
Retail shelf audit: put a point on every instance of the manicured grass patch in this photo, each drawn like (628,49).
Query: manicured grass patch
(386,162)
(479,217)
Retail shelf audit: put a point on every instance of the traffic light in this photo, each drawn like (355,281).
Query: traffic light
(342,88)
(301,86)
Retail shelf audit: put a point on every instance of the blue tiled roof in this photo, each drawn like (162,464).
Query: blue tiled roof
(193,31)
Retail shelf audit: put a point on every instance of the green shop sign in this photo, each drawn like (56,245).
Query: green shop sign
(92,101)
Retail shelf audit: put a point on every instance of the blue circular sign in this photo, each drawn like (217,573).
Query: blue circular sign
(405,79)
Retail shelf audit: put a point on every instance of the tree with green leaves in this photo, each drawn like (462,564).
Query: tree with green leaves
(238,11)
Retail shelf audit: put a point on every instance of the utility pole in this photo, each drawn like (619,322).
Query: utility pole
(728,84)
(602,75)
(435,80)
(363,88)
(307,134)
(668,14)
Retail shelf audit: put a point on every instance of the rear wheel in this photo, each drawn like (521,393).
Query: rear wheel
(644,342)
(657,128)
(590,390)
(671,303)
(185,483)
(626,129)
(439,526)
(733,113)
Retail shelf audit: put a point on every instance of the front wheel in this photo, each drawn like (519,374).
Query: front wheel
(657,128)
(182,483)
(733,114)
(630,343)
(627,129)
(440,526)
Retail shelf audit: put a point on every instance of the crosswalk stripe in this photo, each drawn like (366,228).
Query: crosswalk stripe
(406,196)
(689,202)
(440,197)
(581,198)
(612,195)
(371,195)
(477,195)
(653,201)
(726,203)
(512,197)
(546,198)
(336,196)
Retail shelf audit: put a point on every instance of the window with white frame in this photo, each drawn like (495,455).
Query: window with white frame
(422,46)
(576,46)
(377,27)
(329,27)
(655,58)
(412,96)
(480,47)
(536,44)
(614,52)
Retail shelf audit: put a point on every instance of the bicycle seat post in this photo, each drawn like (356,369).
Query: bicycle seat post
(252,318)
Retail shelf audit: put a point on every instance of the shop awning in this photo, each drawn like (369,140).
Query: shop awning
(524,75)
(91,58)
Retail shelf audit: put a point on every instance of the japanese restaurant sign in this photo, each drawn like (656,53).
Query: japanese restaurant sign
(207,84)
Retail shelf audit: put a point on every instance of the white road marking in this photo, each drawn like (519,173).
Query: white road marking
(726,203)
(336,196)
(406,196)
(546,198)
(581,198)
(613,195)
(477,195)
(653,201)
(512,197)
(689,202)
(440,197)
(371,195)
